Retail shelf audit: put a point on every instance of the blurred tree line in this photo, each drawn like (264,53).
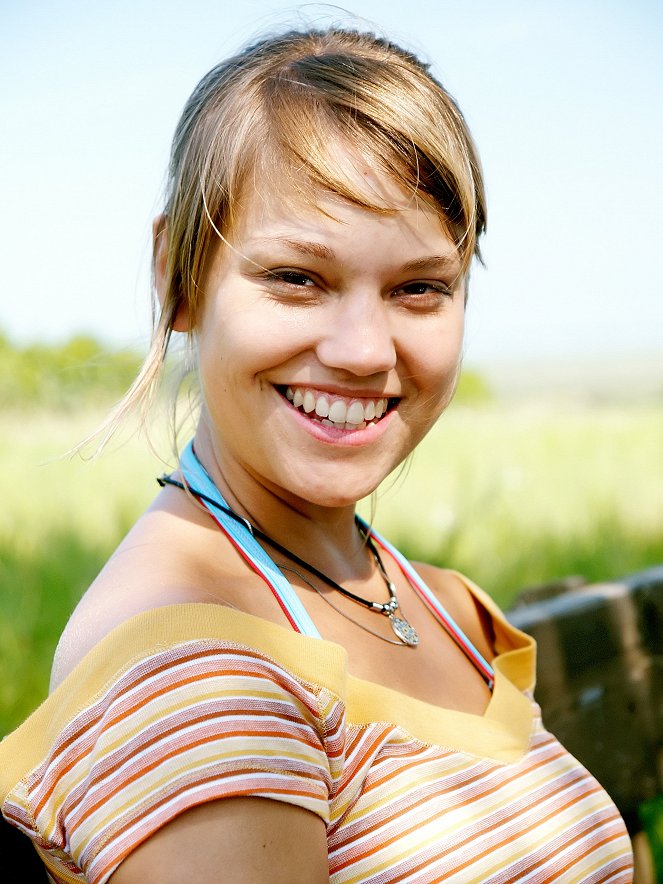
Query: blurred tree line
(79,372)
(83,372)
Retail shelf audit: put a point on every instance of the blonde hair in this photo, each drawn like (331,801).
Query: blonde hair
(270,113)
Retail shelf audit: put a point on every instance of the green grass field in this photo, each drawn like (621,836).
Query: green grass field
(513,495)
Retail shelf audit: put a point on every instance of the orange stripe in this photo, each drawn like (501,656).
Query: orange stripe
(592,847)
(159,760)
(475,796)
(147,696)
(357,857)
(246,792)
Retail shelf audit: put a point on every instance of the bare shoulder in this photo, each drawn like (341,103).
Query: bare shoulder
(258,838)
(161,561)
(469,614)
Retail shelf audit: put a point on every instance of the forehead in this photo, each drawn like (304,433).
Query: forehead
(292,201)
(333,229)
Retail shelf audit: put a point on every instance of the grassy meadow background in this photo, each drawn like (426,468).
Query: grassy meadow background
(515,490)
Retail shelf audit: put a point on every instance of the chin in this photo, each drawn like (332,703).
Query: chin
(344,494)
(333,501)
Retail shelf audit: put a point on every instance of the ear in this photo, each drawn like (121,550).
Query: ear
(181,322)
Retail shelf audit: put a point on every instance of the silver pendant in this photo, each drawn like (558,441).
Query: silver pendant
(405,632)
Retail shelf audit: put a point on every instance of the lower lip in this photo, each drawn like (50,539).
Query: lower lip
(336,435)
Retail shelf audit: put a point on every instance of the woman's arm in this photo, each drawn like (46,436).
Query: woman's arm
(247,840)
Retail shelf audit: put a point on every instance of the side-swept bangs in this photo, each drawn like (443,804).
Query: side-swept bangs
(278,113)
(385,113)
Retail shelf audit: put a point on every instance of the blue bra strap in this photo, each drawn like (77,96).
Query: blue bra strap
(196,476)
(239,533)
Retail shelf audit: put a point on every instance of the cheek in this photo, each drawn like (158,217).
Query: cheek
(236,346)
(437,355)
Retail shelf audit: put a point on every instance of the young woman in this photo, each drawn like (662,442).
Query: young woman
(257,687)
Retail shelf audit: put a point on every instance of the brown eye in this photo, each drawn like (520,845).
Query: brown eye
(292,277)
(425,288)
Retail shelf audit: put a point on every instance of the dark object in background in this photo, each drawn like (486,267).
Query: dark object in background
(600,682)
(19,861)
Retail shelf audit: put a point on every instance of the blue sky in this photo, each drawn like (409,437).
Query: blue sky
(565,100)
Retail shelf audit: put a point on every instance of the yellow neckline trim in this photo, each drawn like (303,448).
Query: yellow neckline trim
(502,733)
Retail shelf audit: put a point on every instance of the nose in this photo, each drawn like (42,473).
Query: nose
(359,337)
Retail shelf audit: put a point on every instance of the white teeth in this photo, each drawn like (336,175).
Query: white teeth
(322,407)
(355,413)
(338,412)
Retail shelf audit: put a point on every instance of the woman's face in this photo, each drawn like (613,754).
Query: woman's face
(328,341)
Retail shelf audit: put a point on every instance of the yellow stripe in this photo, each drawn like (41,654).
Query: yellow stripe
(152,785)
(196,757)
(479,870)
(149,633)
(546,774)
(141,719)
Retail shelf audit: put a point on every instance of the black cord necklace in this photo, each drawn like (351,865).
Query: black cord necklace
(404,631)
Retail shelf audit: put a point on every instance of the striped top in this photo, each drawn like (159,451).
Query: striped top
(189,703)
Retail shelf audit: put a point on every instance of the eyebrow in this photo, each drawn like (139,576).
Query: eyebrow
(432,262)
(305,247)
(324,253)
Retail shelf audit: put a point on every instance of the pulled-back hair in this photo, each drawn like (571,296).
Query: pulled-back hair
(277,112)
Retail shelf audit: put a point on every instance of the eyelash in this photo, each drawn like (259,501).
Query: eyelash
(439,287)
(292,280)
(288,277)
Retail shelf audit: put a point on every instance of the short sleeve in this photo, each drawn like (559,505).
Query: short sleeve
(189,724)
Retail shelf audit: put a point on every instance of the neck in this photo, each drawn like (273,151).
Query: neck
(326,536)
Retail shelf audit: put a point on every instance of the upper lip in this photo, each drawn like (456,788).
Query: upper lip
(338,390)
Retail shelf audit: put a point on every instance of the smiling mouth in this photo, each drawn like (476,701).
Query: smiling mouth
(338,411)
